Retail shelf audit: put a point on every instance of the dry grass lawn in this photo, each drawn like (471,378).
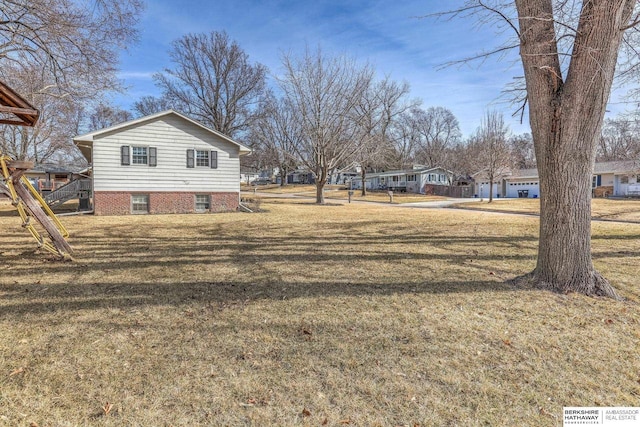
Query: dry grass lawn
(356,314)
(606,209)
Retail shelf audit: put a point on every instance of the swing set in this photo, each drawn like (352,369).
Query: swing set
(37,217)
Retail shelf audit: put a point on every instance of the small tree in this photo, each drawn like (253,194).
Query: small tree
(324,92)
(491,149)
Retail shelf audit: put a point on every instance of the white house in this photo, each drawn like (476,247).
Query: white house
(619,178)
(162,163)
(616,178)
(410,180)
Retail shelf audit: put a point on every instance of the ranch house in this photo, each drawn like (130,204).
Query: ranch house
(609,179)
(417,180)
(162,163)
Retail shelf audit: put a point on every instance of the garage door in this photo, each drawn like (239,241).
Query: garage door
(523,189)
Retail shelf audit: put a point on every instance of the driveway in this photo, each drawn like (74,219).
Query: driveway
(428,205)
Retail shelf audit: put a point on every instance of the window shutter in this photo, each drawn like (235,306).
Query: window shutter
(153,156)
(214,160)
(190,158)
(124,155)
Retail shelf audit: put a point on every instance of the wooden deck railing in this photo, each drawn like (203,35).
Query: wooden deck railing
(69,191)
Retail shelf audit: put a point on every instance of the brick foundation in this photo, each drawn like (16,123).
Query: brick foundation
(119,203)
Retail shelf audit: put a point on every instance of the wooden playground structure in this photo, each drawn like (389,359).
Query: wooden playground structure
(33,210)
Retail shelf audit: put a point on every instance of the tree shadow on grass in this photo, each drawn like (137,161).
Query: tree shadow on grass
(119,253)
(101,254)
(74,297)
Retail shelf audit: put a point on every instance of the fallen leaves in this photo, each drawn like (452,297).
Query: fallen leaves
(106,409)
(17,371)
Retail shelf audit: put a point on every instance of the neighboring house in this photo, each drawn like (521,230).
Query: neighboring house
(301,176)
(417,180)
(49,177)
(343,177)
(617,179)
(248,176)
(162,163)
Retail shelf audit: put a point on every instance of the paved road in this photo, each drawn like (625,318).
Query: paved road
(429,205)
(437,203)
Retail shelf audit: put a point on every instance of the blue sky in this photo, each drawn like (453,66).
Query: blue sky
(389,35)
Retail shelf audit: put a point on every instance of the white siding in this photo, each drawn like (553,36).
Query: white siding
(483,189)
(172,136)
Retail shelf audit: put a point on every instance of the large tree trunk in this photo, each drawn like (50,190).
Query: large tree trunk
(564,253)
(566,118)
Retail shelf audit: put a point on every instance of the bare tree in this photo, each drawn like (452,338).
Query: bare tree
(405,138)
(60,117)
(148,105)
(276,133)
(566,110)
(73,42)
(620,140)
(524,155)
(324,92)
(569,52)
(462,158)
(377,109)
(214,81)
(104,116)
(439,130)
(492,153)
(60,55)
